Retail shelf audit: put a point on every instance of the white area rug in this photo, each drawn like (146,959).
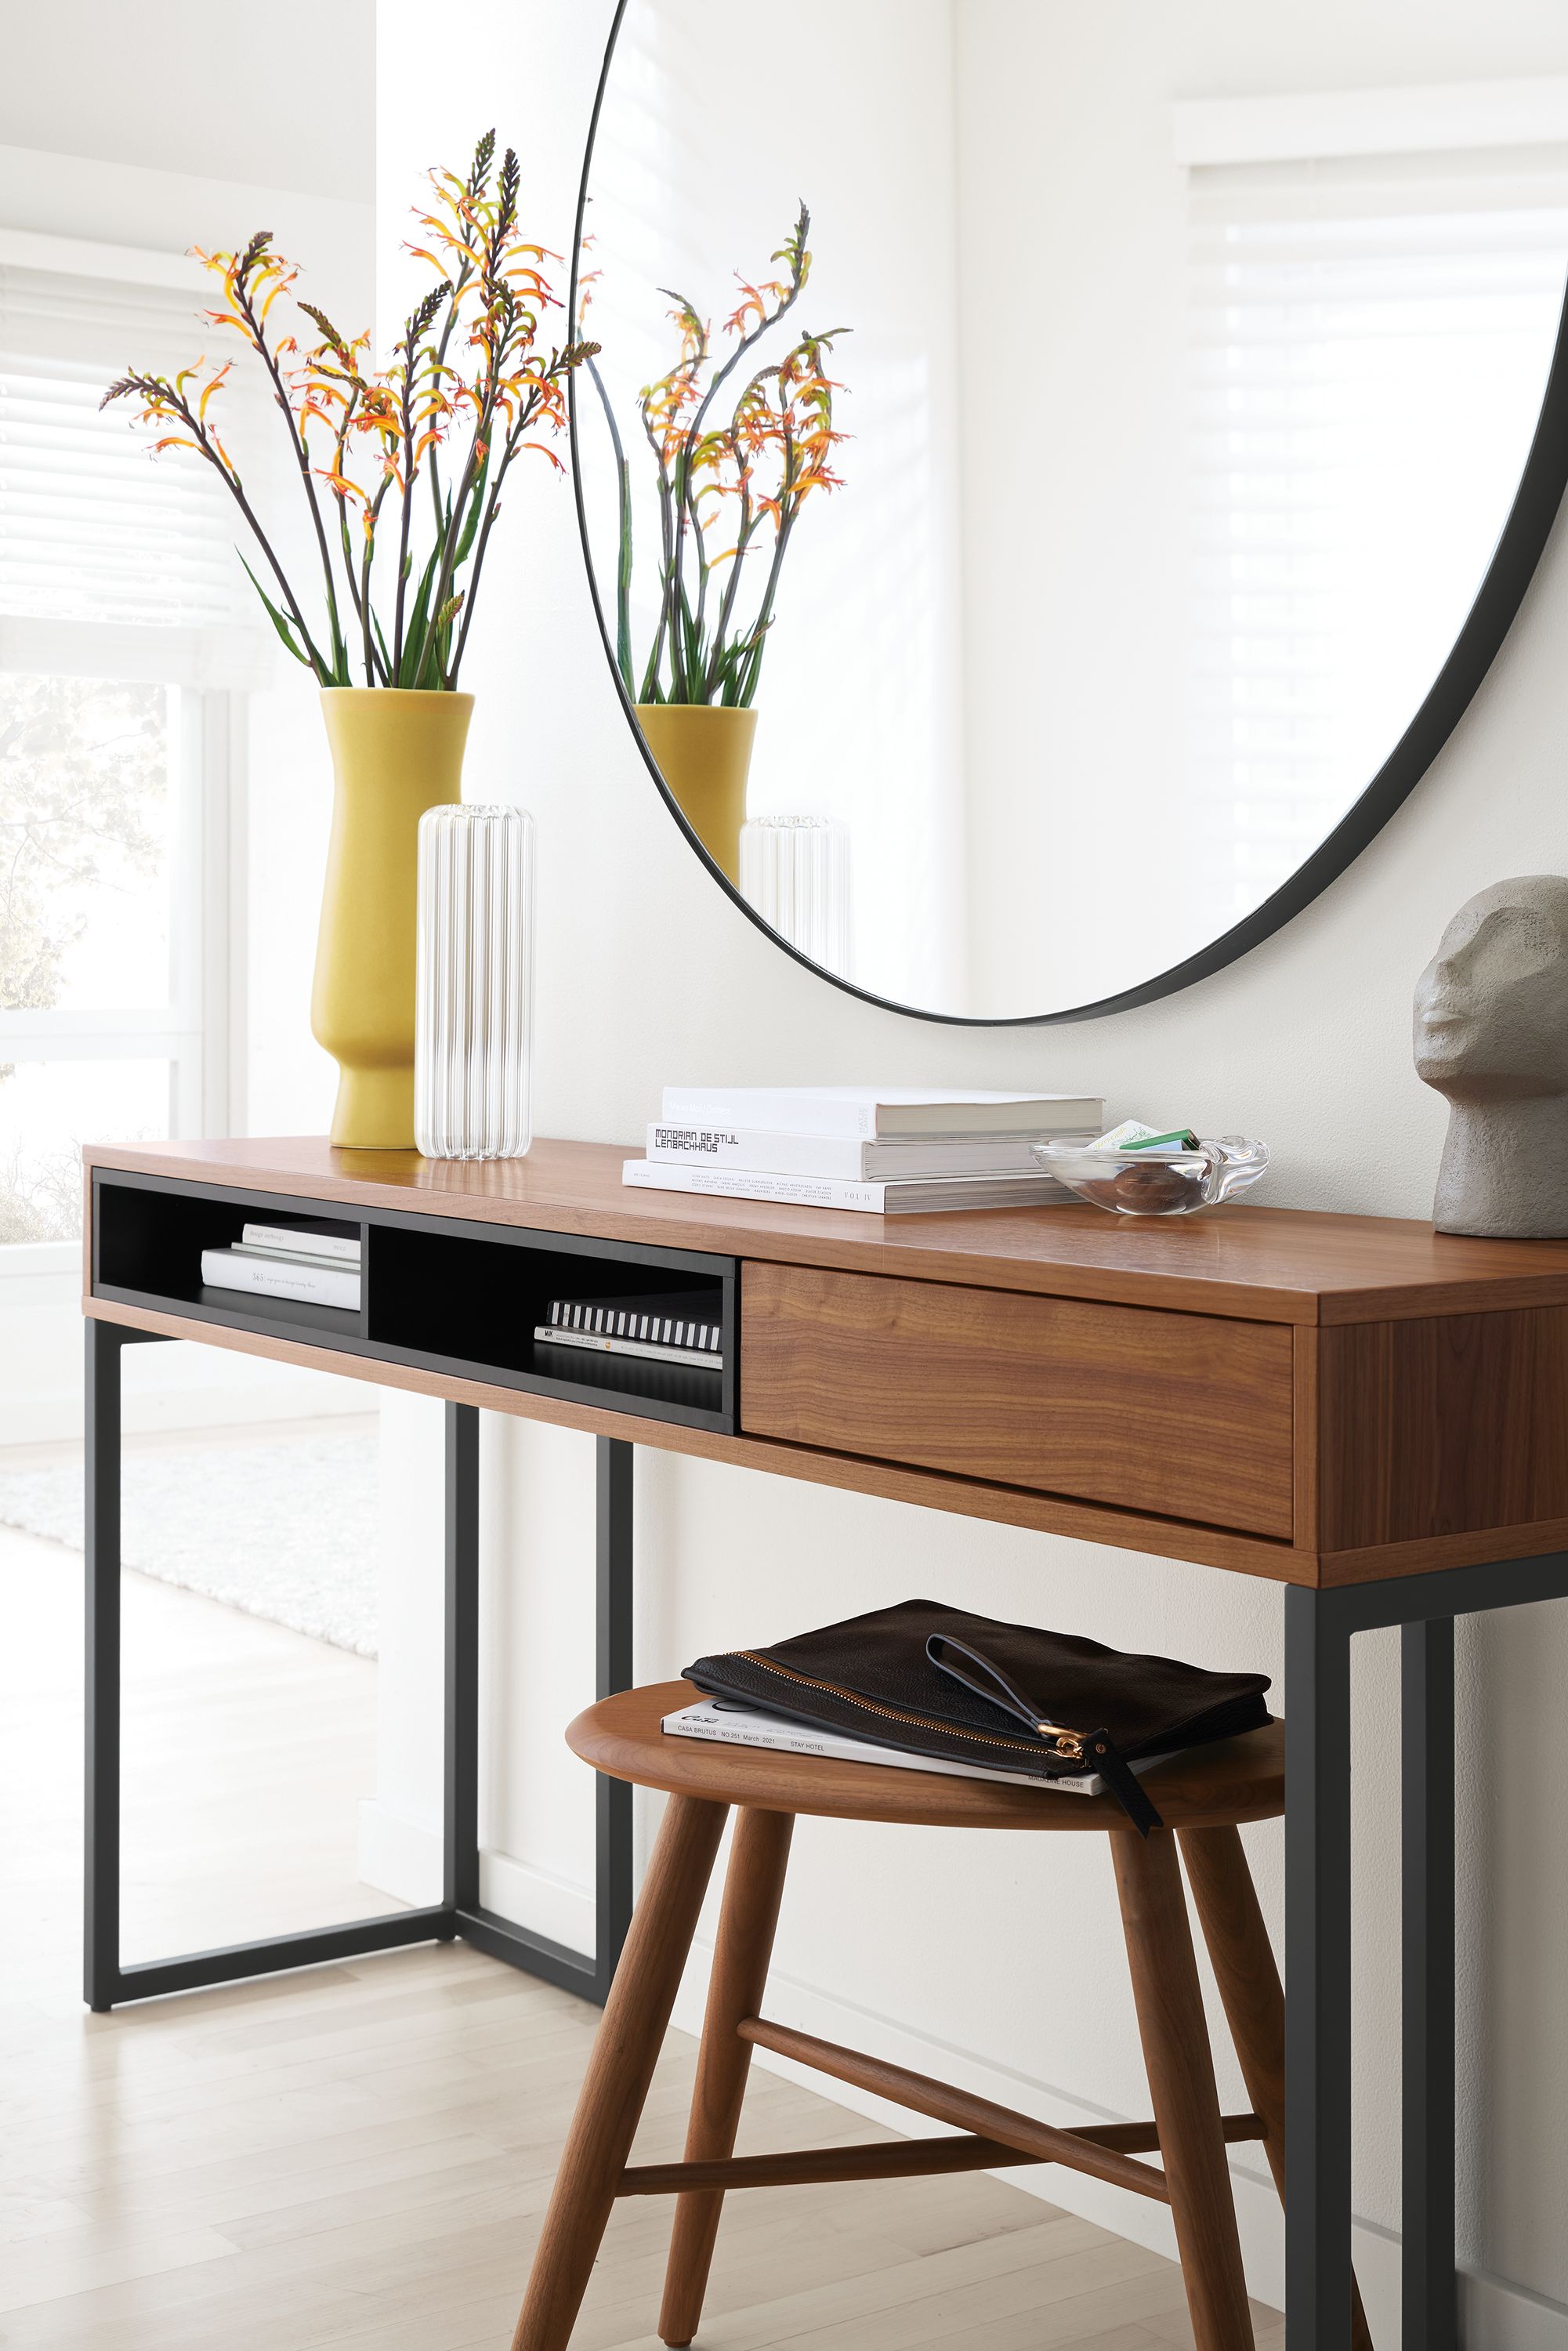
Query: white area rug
(280,1527)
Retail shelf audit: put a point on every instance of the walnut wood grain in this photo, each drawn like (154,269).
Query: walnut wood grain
(1429,1370)
(1254,1999)
(1180,2066)
(962,2108)
(625,2051)
(1235,1779)
(753,1889)
(1270,1265)
(1142,1409)
(965,1497)
(895,2158)
(1304,1342)
(1443,1427)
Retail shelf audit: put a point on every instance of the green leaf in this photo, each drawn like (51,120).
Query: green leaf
(418,621)
(470,522)
(284,630)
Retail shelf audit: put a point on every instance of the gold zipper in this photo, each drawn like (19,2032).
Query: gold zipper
(1068,1743)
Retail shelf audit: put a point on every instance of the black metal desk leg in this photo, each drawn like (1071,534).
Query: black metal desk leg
(1429,2300)
(464,1913)
(1317,1972)
(612,1664)
(460,1806)
(100,1972)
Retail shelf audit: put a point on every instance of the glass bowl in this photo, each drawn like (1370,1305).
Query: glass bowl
(1156,1183)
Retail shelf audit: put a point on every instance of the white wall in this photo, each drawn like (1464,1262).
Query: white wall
(908,1940)
(215,91)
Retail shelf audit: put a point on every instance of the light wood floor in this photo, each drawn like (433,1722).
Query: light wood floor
(356,2159)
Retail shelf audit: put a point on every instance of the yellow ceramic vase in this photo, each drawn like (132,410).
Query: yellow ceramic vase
(703,754)
(394,755)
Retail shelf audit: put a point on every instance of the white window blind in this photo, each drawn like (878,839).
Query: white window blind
(1372,339)
(92,529)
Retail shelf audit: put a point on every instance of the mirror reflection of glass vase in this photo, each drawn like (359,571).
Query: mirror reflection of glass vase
(795,871)
(474,1026)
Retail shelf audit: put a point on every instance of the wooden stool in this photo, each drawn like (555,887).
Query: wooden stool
(1201,1797)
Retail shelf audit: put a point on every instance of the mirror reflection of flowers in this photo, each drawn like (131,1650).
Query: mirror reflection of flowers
(405,464)
(730,493)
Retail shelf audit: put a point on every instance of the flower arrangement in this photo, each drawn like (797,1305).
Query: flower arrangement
(747,478)
(467,391)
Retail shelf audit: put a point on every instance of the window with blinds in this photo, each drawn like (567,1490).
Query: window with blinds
(120,595)
(1370,341)
(92,528)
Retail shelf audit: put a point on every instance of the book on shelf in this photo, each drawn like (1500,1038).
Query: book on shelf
(298,1279)
(312,1237)
(879,1113)
(674,1327)
(736,1725)
(857,1159)
(294,1256)
(925,1197)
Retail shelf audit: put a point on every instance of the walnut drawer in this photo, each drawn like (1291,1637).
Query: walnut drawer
(1185,1414)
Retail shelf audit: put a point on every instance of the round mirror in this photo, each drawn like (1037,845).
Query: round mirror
(1053,475)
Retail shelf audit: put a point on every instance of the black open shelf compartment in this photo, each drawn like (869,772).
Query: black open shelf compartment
(438,1294)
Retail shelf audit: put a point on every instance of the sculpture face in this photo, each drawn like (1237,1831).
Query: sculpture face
(1492,1007)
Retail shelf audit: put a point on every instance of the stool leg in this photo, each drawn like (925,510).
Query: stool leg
(1249,1977)
(625,2051)
(753,1887)
(1180,2064)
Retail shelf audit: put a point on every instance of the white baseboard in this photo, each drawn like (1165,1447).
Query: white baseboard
(1497,2316)
(401,1856)
(557,1906)
(1494,2315)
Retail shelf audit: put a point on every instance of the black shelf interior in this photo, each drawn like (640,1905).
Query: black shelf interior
(285,1315)
(476,1300)
(149,1250)
(435,1295)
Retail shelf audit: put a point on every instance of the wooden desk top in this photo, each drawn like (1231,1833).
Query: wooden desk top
(1259,1264)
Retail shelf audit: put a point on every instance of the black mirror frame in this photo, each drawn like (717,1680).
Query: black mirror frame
(1519,550)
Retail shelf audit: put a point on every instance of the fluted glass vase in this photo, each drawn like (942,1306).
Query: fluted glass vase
(795,869)
(473,984)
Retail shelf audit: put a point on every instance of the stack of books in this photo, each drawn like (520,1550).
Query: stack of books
(678,1326)
(882,1149)
(312,1263)
(738,1726)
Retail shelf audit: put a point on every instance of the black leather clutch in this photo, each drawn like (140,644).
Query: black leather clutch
(970,1690)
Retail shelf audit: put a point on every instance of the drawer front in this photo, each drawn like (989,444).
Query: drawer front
(1188,1416)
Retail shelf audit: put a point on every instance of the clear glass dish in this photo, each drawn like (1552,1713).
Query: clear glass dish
(1156,1183)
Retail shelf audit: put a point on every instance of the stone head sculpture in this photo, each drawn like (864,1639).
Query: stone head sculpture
(1491,1034)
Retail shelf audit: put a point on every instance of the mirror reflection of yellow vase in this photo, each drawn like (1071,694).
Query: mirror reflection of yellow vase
(703,754)
(395,753)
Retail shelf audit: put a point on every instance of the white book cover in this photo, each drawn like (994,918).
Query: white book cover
(874,1112)
(299,1240)
(294,1256)
(270,1277)
(647,1350)
(927,1198)
(857,1159)
(733,1726)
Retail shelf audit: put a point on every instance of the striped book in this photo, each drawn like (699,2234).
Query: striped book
(675,1327)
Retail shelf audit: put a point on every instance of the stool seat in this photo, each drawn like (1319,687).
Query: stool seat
(1233,1781)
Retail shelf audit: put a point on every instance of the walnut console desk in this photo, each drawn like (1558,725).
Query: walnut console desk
(1372,1416)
